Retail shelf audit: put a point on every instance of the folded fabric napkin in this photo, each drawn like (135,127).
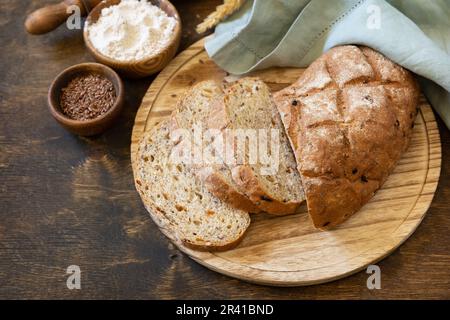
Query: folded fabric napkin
(413,33)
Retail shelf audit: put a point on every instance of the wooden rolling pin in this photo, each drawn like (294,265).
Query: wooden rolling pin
(50,17)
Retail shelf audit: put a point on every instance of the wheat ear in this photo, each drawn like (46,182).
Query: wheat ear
(223,11)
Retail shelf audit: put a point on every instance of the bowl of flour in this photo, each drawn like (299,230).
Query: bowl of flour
(137,38)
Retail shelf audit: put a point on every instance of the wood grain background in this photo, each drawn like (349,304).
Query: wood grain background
(68,200)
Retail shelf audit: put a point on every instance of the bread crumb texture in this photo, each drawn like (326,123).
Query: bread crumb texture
(178,202)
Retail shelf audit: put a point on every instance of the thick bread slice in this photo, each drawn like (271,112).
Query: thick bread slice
(192,111)
(247,104)
(178,202)
(349,117)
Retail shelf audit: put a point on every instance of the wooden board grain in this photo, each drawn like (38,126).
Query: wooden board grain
(288,251)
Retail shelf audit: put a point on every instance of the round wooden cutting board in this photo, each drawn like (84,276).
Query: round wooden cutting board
(289,251)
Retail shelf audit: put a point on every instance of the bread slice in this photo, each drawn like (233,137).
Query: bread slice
(193,111)
(349,118)
(178,202)
(247,104)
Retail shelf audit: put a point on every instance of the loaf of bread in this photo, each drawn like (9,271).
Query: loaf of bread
(193,110)
(349,117)
(344,125)
(178,202)
(247,105)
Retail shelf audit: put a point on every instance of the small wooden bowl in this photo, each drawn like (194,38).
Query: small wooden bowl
(137,68)
(92,126)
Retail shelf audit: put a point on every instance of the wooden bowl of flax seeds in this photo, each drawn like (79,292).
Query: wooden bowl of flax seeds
(86,98)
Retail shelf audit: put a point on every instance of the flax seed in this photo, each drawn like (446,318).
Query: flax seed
(87,97)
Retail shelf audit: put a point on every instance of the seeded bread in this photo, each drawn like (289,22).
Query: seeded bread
(349,117)
(178,202)
(247,104)
(192,111)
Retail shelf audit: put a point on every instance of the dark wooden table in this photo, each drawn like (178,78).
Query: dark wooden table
(68,200)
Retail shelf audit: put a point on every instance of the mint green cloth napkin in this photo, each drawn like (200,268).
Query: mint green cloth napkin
(413,33)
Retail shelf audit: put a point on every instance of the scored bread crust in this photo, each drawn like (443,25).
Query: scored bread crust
(194,218)
(349,118)
(187,113)
(244,175)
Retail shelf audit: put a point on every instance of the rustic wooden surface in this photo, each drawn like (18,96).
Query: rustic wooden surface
(289,251)
(67,200)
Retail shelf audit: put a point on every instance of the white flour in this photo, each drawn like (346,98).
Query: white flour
(131,30)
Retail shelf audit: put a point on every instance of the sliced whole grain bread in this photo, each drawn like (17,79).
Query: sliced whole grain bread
(349,117)
(247,104)
(178,202)
(193,111)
